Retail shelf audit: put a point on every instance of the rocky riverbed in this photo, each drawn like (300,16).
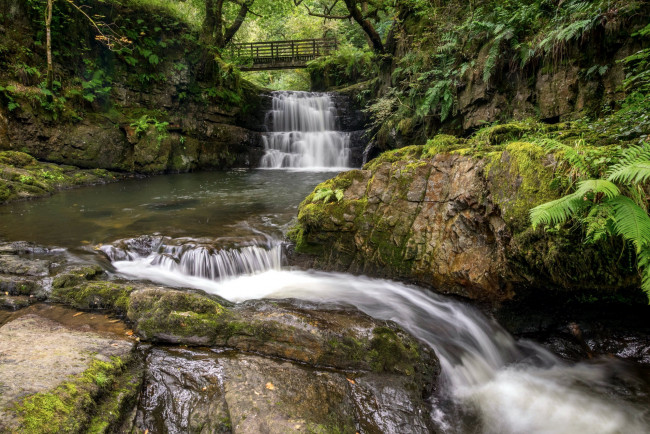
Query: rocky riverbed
(194,361)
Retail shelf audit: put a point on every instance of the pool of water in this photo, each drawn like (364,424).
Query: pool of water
(206,204)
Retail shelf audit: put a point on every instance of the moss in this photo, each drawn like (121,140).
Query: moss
(442,143)
(390,352)
(68,406)
(23,177)
(16,159)
(77,276)
(117,402)
(95,295)
(520,178)
(176,313)
(406,153)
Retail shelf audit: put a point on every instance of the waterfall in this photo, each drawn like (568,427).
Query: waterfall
(303,133)
(152,257)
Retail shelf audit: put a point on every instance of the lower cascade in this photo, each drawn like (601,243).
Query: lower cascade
(154,256)
(512,386)
(303,134)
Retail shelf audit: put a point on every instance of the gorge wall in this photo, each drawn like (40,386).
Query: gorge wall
(160,103)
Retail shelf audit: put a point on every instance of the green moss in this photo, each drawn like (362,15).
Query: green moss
(520,178)
(95,295)
(406,153)
(22,177)
(392,353)
(68,406)
(176,313)
(77,276)
(442,143)
(16,159)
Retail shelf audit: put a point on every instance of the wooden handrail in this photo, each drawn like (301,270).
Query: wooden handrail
(282,54)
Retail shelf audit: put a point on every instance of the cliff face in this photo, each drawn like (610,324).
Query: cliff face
(456,221)
(161,104)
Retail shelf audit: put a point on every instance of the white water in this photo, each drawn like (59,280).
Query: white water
(303,134)
(513,386)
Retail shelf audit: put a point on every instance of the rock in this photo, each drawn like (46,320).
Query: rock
(453,219)
(300,331)
(51,386)
(207,391)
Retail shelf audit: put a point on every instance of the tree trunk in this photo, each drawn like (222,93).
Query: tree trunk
(218,24)
(230,31)
(366,25)
(208,22)
(48,45)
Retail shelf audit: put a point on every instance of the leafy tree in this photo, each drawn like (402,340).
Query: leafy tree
(363,12)
(223,18)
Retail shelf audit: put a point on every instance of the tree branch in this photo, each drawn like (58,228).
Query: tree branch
(239,20)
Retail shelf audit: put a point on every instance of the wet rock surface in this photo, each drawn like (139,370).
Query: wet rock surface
(37,354)
(207,391)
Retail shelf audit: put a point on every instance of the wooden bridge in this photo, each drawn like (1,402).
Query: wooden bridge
(259,56)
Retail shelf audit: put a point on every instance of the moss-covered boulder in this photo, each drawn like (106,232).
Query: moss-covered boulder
(453,215)
(23,177)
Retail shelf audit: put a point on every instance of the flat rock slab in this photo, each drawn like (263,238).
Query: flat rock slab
(37,354)
(208,391)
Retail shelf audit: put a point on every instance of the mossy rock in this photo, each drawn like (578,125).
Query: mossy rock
(68,408)
(95,295)
(172,315)
(16,159)
(519,178)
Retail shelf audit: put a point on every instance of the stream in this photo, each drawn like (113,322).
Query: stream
(222,233)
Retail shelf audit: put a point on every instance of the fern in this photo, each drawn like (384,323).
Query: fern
(603,186)
(643,264)
(634,173)
(633,165)
(325,194)
(631,221)
(555,212)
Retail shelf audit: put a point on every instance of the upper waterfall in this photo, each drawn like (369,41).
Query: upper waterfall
(303,133)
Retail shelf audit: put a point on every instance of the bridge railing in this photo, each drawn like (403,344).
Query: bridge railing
(268,53)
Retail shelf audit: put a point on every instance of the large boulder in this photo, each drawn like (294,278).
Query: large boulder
(455,218)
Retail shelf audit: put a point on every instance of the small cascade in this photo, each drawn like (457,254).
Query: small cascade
(303,133)
(191,258)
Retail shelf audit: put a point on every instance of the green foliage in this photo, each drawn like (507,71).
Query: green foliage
(607,209)
(143,123)
(347,65)
(327,194)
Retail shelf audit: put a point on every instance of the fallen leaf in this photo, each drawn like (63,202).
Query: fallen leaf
(77,314)
(147,431)
(204,389)
(6,293)
(270,386)
(129,332)
(256,393)
(115,320)
(351,381)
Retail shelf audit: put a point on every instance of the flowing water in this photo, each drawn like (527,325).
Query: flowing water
(221,232)
(303,134)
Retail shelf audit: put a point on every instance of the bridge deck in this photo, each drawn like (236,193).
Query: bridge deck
(258,56)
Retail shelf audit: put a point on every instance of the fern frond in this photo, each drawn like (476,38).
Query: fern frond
(643,265)
(634,173)
(632,155)
(608,188)
(322,194)
(556,211)
(339,194)
(631,221)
